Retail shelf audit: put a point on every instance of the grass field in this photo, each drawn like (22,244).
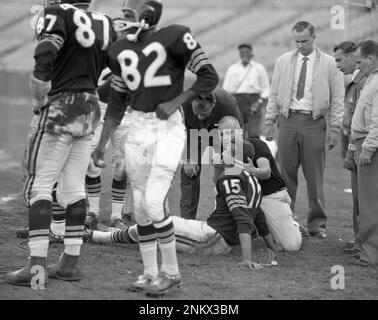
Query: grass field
(110,268)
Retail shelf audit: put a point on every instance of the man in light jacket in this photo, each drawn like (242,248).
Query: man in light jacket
(365,137)
(307,96)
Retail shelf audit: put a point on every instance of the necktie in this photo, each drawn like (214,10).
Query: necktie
(302,79)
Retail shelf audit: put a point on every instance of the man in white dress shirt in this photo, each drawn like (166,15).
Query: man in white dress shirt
(306,90)
(248,81)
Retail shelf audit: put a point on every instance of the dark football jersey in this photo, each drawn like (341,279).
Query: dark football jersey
(225,105)
(82,39)
(153,67)
(238,198)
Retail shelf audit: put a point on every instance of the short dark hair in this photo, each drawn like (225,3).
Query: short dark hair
(304,25)
(245,45)
(368,47)
(345,46)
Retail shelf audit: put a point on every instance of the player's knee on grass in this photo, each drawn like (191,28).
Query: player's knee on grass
(292,241)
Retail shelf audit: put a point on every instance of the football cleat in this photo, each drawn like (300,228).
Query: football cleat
(23,233)
(54,238)
(25,276)
(66,269)
(163,284)
(88,235)
(142,282)
(91,221)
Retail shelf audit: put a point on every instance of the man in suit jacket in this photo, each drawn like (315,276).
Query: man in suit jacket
(307,94)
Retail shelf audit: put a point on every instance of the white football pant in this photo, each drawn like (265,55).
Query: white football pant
(152,150)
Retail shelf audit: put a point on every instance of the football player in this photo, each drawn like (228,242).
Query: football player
(70,55)
(93,177)
(233,221)
(151,63)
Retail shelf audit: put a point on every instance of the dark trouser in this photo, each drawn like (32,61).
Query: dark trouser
(190,194)
(301,141)
(252,122)
(354,181)
(368,207)
(345,139)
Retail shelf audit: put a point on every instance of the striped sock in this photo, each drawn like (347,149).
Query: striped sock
(118,198)
(167,244)
(148,249)
(129,235)
(39,228)
(93,186)
(75,215)
(58,223)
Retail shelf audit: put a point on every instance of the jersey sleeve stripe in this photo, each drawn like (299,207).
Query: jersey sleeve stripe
(56,40)
(233,207)
(237,197)
(118,84)
(198,58)
(236,200)
(199,65)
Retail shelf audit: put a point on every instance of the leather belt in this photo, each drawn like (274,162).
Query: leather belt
(300,111)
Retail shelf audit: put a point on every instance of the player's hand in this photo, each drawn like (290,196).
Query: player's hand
(166,109)
(191,169)
(350,164)
(269,132)
(250,265)
(333,140)
(250,167)
(98,157)
(364,158)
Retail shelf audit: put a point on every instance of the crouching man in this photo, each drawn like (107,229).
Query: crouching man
(232,223)
(275,201)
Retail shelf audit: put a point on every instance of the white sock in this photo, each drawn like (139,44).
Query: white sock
(39,247)
(72,246)
(149,257)
(169,263)
(101,237)
(94,205)
(116,211)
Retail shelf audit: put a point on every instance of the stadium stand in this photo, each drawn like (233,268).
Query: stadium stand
(219,25)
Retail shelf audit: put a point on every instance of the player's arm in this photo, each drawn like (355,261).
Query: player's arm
(51,33)
(118,94)
(103,91)
(262,171)
(188,53)
(232,191)
(262,154)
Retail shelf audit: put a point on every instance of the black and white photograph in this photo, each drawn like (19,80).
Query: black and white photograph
(188,151)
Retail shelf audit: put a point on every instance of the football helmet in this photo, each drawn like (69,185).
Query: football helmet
(140,15)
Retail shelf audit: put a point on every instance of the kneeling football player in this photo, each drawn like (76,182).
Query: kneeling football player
(233,221)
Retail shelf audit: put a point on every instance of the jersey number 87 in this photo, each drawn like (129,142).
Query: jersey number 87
(84,33)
